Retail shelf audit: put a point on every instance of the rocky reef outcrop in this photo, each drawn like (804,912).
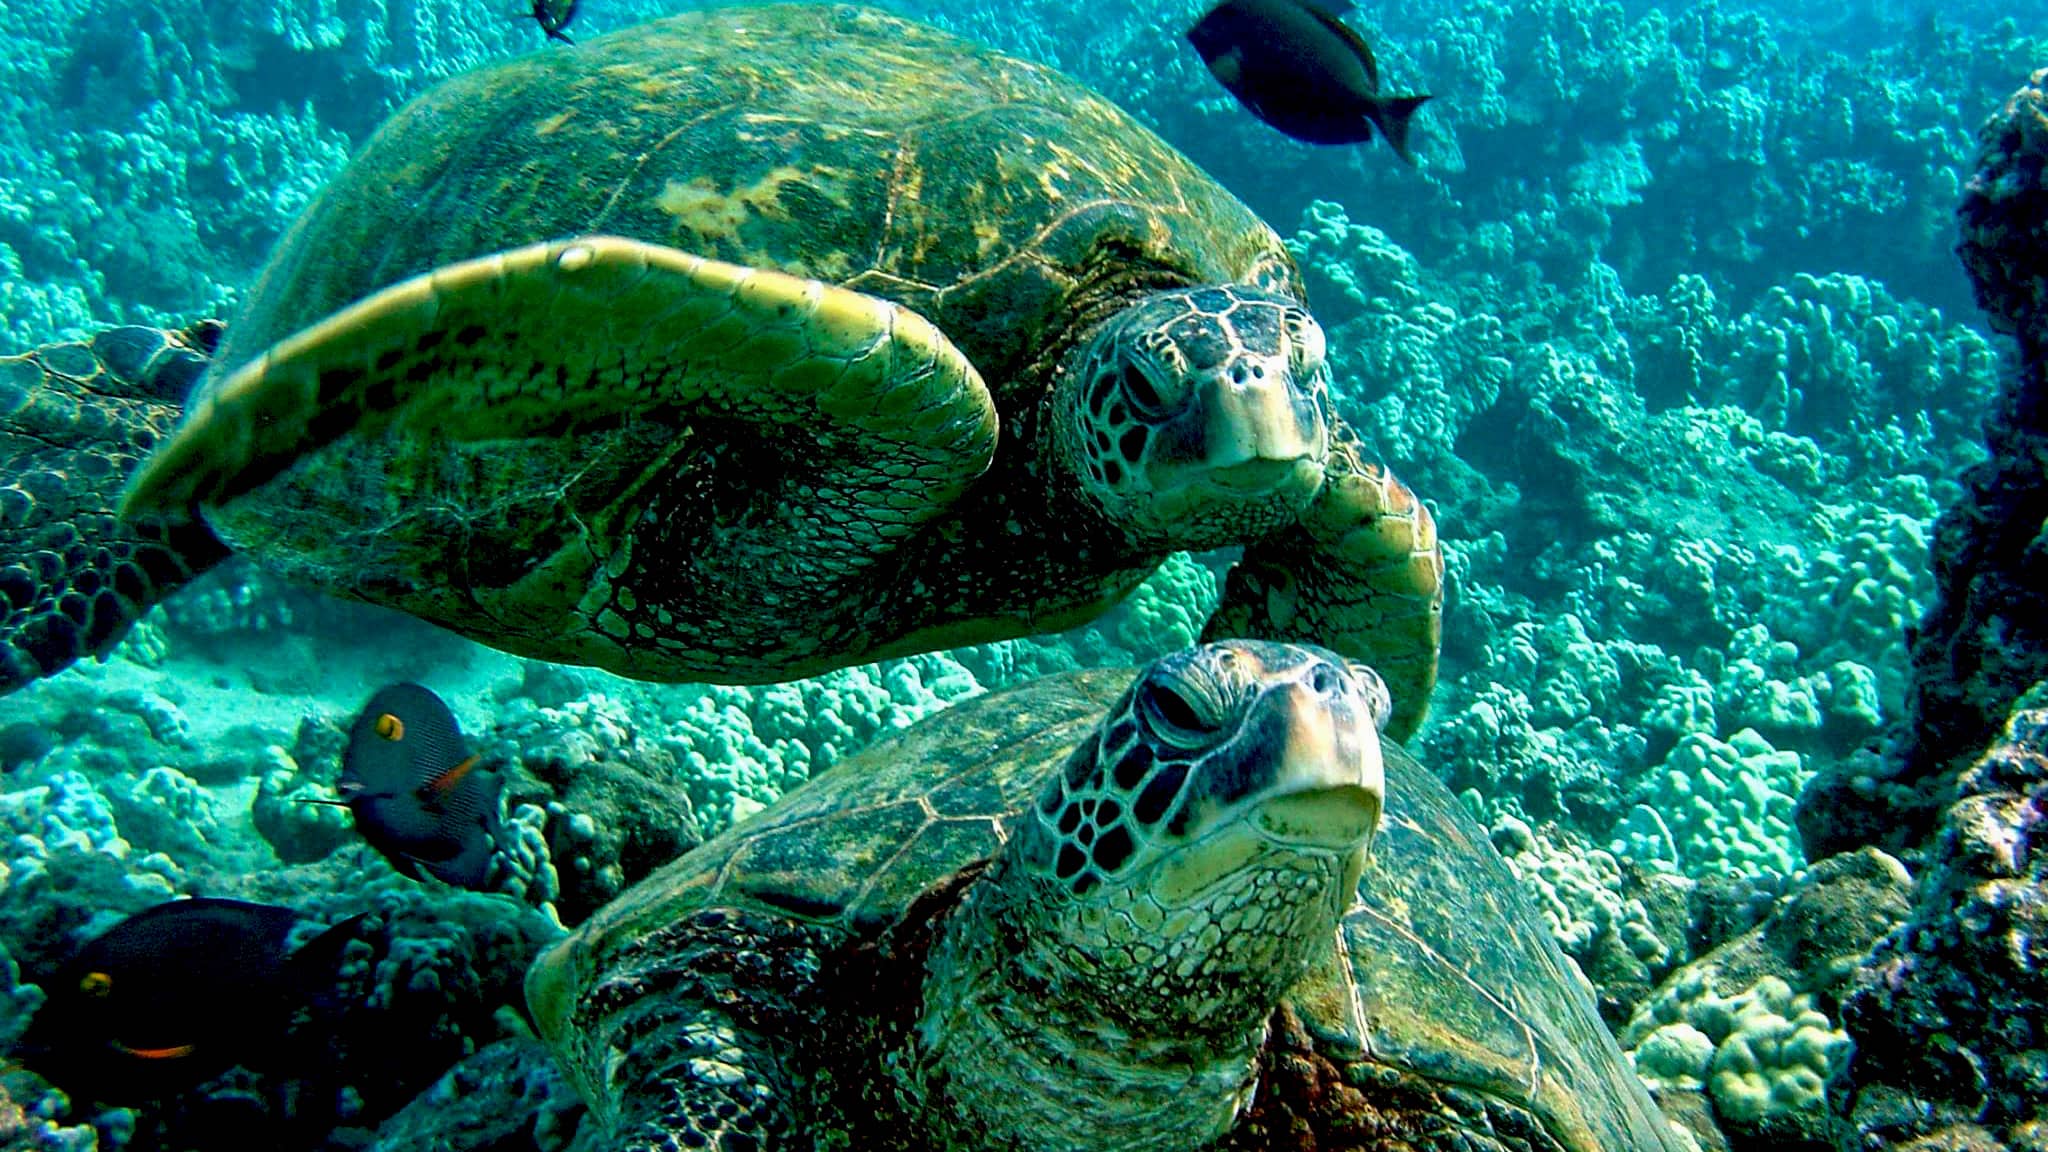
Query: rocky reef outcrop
(1984,639)
(1947,1011)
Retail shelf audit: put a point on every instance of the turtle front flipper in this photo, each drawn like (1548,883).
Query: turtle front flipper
(75,420)
(677,1039)
(1361,573)
(717,1087)
(595,450)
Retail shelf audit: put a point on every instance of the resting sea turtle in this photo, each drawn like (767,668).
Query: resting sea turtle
(543,365)
(1094,912)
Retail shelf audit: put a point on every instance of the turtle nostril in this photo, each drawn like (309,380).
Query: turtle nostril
(1324,679)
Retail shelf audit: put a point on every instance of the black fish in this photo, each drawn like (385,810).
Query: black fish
(1299,68)
(416,790)
(174,996)
(553,16)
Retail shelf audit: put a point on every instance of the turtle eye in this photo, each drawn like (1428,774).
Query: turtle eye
(1174,717)
(1142,393)
(1379,698)
(1305,343)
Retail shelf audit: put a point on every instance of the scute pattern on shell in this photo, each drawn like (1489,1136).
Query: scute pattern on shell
(829,142)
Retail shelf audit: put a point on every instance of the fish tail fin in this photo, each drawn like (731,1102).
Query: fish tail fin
(69,441)
(312,967)
(1391,114)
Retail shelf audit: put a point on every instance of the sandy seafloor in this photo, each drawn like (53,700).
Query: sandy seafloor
(1666,328)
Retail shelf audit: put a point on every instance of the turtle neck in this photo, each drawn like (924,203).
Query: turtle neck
(1020,1045)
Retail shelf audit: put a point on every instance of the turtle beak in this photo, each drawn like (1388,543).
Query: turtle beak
(1260,434)
(1331,782)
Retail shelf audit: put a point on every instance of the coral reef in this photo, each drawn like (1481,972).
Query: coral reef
(1947,1011)
(508,1097)
(612,804)
(29,1128)
(150,155)
(1625,926)
(1753,1023)
(1661,328)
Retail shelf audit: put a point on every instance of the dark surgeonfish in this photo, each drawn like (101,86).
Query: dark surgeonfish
(417,792)
(553,16)
(174,996)
(1299,68)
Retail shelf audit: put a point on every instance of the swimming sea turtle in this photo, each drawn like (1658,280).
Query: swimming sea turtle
(543,365)
(1093,912)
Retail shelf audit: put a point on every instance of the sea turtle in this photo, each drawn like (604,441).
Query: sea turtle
(752,343)
(1098,912)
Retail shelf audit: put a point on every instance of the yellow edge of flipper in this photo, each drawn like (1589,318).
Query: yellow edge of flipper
(589,303)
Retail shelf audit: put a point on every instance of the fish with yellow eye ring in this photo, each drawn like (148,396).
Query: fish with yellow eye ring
(174,996)
(417,791)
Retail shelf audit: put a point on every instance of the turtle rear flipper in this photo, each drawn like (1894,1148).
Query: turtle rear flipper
(75,421)
(1362,573)
(637,438)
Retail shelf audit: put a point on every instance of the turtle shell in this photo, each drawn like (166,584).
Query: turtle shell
(1003,209)
(1469,1003)
(830,142)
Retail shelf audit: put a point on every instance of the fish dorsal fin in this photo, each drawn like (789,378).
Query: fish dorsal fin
(1327,14)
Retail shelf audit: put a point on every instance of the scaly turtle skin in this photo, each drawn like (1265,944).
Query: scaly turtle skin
(748,344)
(1103,913)
(75,420)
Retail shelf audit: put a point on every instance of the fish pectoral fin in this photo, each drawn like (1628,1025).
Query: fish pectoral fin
(438,788)
(171,1052)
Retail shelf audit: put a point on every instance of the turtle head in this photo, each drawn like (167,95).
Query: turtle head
(1206,841)
(1197,417)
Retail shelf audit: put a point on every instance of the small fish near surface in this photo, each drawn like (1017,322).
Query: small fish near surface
(1301,69)
(175,995)
(418,793)
(553,16)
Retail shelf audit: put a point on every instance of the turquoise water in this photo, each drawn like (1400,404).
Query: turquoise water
(1665,327)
